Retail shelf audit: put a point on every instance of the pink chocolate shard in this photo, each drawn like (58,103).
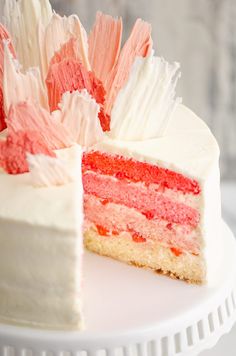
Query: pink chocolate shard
(104,45)
(70,49)
(58,32)
(13,151)
(70,75)
(26,116)
(4,35)
(139,44)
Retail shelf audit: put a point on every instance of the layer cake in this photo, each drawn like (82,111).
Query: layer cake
(150,169)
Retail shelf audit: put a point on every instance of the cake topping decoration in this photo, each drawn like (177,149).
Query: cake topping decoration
(26,116)
(79,113)
(13,150)
(58,32)
(144,106)
(104,45)
(4,35)
(138,44)
(69,49)
(26,86)
(71,75)
(22,19)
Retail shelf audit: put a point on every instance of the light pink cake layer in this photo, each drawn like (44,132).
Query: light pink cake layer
(115,218)
(149,202)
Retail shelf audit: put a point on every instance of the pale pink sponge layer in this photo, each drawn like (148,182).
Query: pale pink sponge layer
(148,205)
(116,218)
(149,202)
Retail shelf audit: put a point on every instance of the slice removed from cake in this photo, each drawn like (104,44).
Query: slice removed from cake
(156,203)
(41,245)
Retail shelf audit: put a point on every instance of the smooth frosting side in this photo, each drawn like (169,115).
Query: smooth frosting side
(40,276)
(188,146)
(41,250)
(211,224)
(23,202)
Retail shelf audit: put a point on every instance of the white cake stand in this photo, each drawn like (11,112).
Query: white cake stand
(133,312)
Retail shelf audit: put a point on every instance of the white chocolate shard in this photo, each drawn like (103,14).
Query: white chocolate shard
(79,114)
(19,86)
(48,171)
(22,19)
(144,107)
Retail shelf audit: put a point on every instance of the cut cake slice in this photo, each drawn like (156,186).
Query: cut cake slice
(156,203)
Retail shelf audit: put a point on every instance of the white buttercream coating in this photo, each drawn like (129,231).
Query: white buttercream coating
(41,250)
(144,107)
(188,146)
(211,223)
(22,18)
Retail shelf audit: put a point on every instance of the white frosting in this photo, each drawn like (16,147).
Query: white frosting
(144,107)
(211,223)
(188,146)
(79,113)
(18,86)
(22,19)
(41,250)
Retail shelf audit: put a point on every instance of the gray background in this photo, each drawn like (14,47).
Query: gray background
(201,35)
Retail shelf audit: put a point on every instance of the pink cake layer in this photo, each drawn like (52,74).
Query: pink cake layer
(150,203)
(115,218)
(135,171)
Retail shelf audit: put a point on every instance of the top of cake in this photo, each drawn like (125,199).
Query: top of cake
(187,147)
